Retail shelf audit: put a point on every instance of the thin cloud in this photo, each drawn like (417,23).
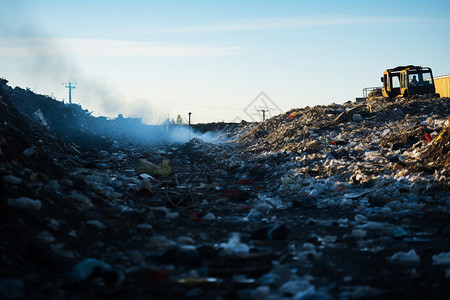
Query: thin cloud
(19,46)
(281,23)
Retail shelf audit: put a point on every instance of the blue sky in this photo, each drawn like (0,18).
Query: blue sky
(154,59)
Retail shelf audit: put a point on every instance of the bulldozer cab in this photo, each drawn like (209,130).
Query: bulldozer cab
(405,81)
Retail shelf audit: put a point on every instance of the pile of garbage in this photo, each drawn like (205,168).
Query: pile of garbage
(380,135)
(346,201)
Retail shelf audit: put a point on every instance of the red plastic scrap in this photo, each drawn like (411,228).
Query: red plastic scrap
(336,143)
(428,137)
(246,181)
(291,116)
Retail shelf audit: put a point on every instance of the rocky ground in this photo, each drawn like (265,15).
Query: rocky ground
(331,202)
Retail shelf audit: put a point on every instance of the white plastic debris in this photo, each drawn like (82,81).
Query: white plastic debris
(38,116)
(145,176)
(441,258)
(96,223)
(410,256)
(356,195)
(25,203)
(209,216)
(234,245)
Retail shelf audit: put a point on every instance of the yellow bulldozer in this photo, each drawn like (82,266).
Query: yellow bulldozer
(406,81)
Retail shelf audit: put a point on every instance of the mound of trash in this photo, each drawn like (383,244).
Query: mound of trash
(345,201)
(378,134)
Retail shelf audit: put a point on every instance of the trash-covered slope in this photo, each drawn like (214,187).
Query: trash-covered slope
(380,134)
(337,202)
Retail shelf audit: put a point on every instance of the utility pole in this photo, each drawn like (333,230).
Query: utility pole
(189,113)
(264,113)
(70,86)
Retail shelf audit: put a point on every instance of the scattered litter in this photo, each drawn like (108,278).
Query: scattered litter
(410,256)
(144,166)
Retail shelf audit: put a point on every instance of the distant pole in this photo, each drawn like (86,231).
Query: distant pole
(264,113)
(189,113)
(70,86)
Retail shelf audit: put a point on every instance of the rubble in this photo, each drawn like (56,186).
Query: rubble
(326,202)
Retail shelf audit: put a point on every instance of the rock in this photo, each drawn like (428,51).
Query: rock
(441,258)
(357,118)
(30,151)
(145,226)
(25,203)
(45,237)
(12,180)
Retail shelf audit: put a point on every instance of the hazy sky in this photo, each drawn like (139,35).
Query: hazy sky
(152,59)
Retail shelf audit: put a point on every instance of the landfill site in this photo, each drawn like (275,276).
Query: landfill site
(339,201)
